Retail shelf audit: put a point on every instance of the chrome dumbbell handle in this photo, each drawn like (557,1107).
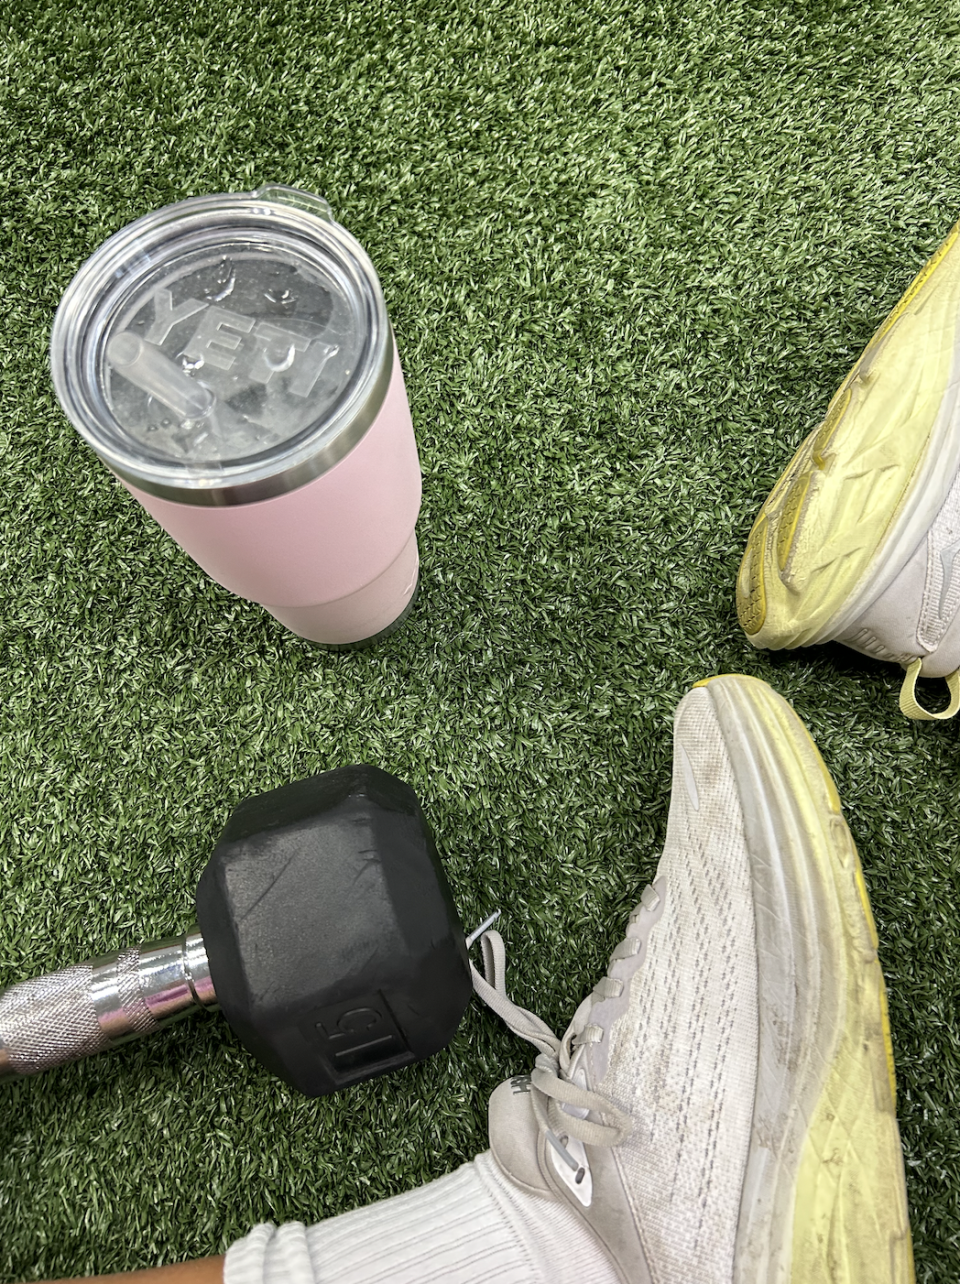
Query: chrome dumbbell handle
(96,1005)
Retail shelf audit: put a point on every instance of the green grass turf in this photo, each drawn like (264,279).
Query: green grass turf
(629,250)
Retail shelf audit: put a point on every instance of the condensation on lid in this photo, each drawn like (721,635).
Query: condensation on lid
(240,340)
(229,351)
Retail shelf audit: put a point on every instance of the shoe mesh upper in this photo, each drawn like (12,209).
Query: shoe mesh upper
(941,591)
(683,1058)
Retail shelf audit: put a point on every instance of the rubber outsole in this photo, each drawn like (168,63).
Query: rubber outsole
(824,1196)
(863,488)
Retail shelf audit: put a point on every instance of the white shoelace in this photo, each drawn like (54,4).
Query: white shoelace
(552,1086)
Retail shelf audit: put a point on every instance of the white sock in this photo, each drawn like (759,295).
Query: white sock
(472,1227)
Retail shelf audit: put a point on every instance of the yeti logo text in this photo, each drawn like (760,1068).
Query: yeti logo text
(220,336)
(166,316)
(217,337)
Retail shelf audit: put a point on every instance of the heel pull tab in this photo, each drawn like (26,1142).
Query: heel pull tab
(911,707)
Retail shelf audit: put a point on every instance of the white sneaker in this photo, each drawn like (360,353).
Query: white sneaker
(722,1106)
(858,542)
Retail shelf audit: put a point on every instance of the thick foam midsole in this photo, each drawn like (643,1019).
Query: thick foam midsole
(824,1195)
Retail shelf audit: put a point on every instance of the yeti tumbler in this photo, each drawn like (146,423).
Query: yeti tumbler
(230,360)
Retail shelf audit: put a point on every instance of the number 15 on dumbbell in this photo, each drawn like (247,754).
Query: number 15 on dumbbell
(327,936)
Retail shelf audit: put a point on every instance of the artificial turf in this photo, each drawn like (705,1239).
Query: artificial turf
(628,250)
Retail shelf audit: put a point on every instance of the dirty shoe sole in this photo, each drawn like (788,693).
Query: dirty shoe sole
(824,1198)
(863,489)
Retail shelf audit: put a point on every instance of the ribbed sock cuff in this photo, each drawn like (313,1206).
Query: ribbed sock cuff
(472,1227)
(268,1255)
(451,1230)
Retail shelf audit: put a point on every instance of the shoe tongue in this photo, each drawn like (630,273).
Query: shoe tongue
(514,1134)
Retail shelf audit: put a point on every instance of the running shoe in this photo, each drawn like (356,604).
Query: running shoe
(858,541)
(721,1108)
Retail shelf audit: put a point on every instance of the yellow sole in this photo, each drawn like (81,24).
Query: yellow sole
(840,1214)
(858,484)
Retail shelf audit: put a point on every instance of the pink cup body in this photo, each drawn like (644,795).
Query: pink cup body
(334,560)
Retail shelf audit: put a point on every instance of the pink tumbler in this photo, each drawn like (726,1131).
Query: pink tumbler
(230,359)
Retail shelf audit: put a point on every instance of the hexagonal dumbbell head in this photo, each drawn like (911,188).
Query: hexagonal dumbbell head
(332,938)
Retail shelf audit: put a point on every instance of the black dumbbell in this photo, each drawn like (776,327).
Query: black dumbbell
(327,936)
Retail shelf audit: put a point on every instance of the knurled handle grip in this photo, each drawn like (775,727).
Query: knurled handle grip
(66,1015)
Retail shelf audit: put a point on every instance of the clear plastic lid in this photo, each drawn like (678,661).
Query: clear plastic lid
(224,349)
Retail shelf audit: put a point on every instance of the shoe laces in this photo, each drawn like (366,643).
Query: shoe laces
(563,1108)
